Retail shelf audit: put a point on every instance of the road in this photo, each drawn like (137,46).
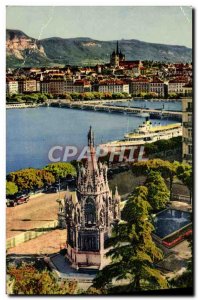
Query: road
(48,243)
(38,211)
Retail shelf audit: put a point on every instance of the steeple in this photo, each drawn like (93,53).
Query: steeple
(89,213)
(117,49)
(90,137)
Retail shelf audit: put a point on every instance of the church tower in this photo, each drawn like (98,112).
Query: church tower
(90,213)
(116,57)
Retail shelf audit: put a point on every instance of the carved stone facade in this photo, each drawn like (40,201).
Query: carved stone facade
(89,213)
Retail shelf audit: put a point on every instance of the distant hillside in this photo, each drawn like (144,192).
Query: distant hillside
(22,50)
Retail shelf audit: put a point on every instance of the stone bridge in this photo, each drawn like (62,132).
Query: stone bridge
(103,106)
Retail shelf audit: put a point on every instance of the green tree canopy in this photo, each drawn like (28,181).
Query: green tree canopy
(29,281)
(61,169)
(133,251)
(11,188)
(158,193)
(184,173)
(30,179)
(167,169)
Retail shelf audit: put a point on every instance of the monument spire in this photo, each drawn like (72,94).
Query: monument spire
(89,213)
(90,137)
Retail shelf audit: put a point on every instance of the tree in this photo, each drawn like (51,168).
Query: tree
(98,95)
(88,96)
(133,251)
(67,96)
(11,188)
(158,194)
(30,179)
(184,173)
(61,169)
(42,97)
(107,95)
(165,167)
(29,281)
(75,96)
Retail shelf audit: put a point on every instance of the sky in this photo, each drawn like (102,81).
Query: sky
(166,24)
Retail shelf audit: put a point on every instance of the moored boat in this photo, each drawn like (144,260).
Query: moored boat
(146,133)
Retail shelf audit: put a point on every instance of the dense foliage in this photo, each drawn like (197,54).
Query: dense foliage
(163,145)
(11,188)
(158,193)
(61,169)
(29,98)
(42,97)
(167,169)
(29,281)
(184,173)
(133,251)
(30,179)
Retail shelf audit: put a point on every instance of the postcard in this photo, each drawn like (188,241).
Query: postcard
(99,150)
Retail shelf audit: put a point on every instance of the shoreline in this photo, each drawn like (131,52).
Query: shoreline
(97,101)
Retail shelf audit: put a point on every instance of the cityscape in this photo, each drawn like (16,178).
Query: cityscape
(99,157)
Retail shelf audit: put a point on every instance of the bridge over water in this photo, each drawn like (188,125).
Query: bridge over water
(105,106)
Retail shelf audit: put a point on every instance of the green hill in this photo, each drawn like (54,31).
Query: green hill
(22,50)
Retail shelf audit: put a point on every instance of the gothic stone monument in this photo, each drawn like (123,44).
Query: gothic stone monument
(89,213)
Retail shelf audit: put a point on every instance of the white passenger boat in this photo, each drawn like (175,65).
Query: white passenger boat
(146,133)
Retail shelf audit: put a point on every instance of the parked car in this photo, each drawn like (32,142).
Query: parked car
(52,190)
(17,199)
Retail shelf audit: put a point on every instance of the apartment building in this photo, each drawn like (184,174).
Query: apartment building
(187,148)
(113,86)
(157,86)
(176,85)
(25,86)
(139,85)
(11,87)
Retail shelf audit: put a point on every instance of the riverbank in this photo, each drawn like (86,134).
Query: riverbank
(53,102)
(23,105)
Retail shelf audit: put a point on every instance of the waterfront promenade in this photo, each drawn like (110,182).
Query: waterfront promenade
(22,105)
(102,106)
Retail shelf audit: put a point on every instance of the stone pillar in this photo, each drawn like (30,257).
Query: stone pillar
(101,239)
(76,229)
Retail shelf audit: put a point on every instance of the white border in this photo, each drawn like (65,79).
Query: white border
(4,3)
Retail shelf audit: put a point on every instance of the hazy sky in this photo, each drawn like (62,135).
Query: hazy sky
(169,25)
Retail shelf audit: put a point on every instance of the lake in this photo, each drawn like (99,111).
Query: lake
(152,104)
(31,132)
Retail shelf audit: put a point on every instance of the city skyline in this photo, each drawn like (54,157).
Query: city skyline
(166,25)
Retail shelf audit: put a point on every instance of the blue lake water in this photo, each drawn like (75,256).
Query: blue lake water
(166,105)
(32,132)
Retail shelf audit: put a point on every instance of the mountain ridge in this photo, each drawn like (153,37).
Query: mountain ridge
(22,50)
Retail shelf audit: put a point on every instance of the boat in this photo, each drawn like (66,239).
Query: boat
(143,114)
(147,132)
